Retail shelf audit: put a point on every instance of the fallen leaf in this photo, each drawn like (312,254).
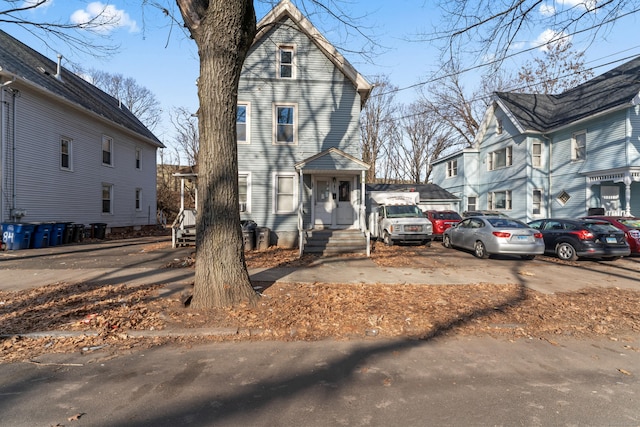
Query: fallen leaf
(75,417)
(624,371)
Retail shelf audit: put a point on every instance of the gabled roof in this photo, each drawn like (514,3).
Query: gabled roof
(20,62)
(332,159)
(615,89)
(285,9)
(427,191)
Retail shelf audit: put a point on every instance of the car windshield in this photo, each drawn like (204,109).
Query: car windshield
(601,227)
(446,215)
(506,223)
(630,222)
(403,211)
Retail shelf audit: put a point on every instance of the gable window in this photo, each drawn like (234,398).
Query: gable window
(286,58)
(500,158)
(138,199)
(138,158)
(242,123)
(537,202)
(107,150)
(579,146)
(244,191)
(536,155)
(285,124)
(65,153)
(107,198)
(499,200)
(452,168)
(472,203)
(499,127)
(284,193)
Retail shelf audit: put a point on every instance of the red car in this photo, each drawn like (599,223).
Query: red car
(442,220)
(630,226)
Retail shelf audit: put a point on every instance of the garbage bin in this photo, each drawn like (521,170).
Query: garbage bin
(41,235)
(57,233)
(248,234)
(263,235)
(17,235)
(78,233)
(67,235)
(98,230)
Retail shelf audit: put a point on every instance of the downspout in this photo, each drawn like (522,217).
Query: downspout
(3,142)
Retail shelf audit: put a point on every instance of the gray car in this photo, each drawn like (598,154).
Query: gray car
(495,235)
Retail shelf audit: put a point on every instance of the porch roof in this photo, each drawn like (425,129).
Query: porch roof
(331,160)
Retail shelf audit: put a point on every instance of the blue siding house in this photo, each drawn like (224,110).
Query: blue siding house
(299,105)
(555,155)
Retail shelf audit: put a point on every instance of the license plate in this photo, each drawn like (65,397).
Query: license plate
(523,237)
(612,240)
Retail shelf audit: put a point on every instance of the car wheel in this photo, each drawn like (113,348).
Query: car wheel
(479,250)
(446,241)
(527,257)
(566,252)
(387,239)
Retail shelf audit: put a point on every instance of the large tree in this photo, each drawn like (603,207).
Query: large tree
(223,32)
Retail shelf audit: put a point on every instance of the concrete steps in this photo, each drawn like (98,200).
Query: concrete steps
(332,242)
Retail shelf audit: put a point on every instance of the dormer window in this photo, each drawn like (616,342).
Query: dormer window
(286,62)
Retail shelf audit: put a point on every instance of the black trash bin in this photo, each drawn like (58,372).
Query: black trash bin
(263,236)
(248,234)
(78,233)
(98,230)
(67,234)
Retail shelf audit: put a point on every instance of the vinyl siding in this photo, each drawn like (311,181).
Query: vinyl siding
(633,150)
(49,193)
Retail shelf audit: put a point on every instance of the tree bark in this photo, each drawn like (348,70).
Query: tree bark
(223,31)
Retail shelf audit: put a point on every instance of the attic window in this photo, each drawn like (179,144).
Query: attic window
(286,62)
(563,197)
(499,127)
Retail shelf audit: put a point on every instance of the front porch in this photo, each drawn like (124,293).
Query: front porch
(604,192)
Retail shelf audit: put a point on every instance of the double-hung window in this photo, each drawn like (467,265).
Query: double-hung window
(107,198)
(472,203)
(284,193)
(452,168)
(499,200)
(242,123)
(286,62)
(65,153)
(537,202)
(285,121)
(579,146)
(107,150)
(536,155)
(138,199)
(244,191)
(138,158)
(500,158)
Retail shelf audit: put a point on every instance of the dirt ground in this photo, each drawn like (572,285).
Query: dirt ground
(109,317)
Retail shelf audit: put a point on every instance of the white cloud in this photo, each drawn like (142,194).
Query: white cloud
(547,9)
(550,36)
(589,5)
(108,16)
(31,3)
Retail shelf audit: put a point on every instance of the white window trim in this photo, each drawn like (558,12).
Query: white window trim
(138,158)
(274,108)
(491,158)
(106,138)
(248,202)
(475,204)
(274,180)
(541,207)
(450,169)
(106,184)
(69,142)
(491,199)
(574,146)
(533,155)
(294,56)
(247,105)
(139,198)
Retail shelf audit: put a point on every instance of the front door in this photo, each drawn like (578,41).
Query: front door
(323,202)
(345,215)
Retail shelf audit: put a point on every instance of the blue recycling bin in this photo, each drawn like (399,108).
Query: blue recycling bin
(57,233)
(41,235)
(17,235)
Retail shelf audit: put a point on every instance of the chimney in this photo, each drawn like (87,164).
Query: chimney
(58,75)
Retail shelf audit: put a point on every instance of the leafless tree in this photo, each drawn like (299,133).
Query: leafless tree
(138,99)
(187,137)
(80,36)
(377,123)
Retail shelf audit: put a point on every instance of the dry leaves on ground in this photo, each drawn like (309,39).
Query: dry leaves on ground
(106,317)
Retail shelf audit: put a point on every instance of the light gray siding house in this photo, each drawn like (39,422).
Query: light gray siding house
(69,152)
(299,156)
(555,155)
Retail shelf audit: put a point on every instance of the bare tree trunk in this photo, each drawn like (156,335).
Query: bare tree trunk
(223,31)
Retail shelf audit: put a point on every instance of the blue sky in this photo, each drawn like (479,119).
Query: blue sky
(160,57)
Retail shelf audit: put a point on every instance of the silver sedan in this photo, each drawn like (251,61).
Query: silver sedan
(495,235)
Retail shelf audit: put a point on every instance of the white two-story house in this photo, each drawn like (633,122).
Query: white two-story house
(69,152)
(554,155)
(299,157)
